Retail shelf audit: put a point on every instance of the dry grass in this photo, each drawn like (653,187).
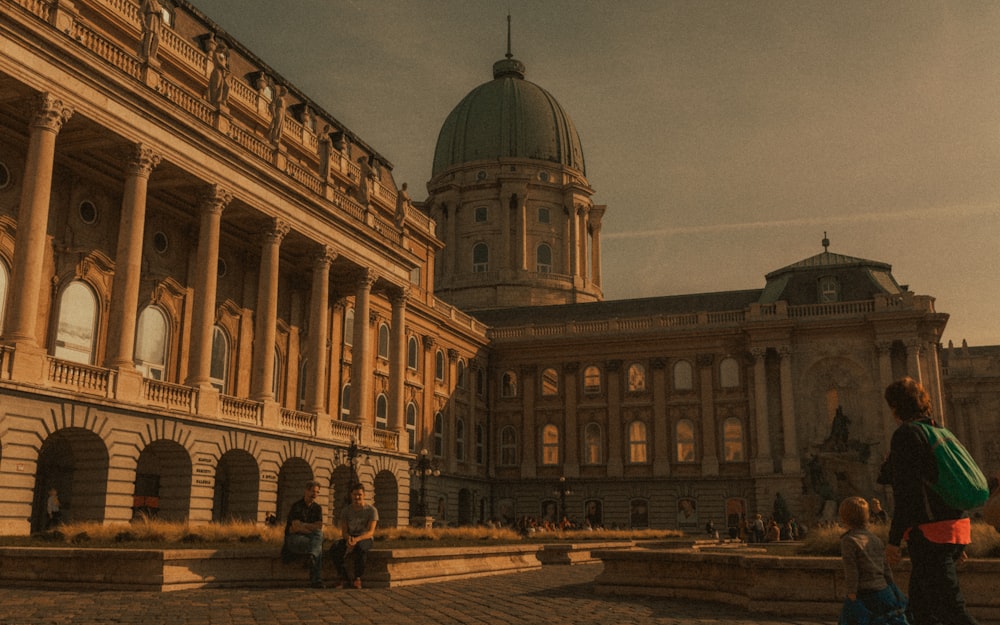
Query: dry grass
(826,541)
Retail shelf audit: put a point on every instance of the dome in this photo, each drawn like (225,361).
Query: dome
(508,117)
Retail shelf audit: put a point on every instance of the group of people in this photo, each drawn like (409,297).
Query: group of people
(304,536)
(935,534)
(766,530)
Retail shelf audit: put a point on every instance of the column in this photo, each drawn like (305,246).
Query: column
(762,463)
(616,424)
(595,252)
(913,349)
(128,259)
(49,115)
(933,368)
(529,432)
(212,202)
(265,332)
(522,254)
(710,459)
(790,462)
(451,432)
(319,331)
(573,255)
(570,440)
(397,364)
(361,367)
(661,427)
(451,242)
(504,253)
(884,349)
(581,244)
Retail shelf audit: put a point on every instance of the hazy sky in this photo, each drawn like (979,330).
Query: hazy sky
(724,137)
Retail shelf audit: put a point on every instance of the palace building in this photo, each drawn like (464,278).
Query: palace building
(212,290)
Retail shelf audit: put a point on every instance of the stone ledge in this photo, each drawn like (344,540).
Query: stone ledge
(758,582)
(180,569)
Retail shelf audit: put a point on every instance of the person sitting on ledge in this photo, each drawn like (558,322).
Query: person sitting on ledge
(357,528)
(304,533)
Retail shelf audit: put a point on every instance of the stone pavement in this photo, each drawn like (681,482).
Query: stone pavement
(552,595)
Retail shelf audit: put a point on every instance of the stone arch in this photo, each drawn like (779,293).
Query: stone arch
(163,481)
(237,487)
(386,498)
(292,478)
(833,382)
(466,507)
(74,461)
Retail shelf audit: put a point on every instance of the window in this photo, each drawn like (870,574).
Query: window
(345,403)
(412,353)
(77,326)
(439,366)
(349,327)
(729,373)
(383,341)
(591,380)
(508,384)
(480,258)
(480,382)
(481,214)
(150,343)
(219,375)
(592,444)
(438,434)
(683,379)
(684,435)
(508,446)
(636,378)
(460,440)
(550,445)
(732,439)
(5,176)
(543,259)
(88,212)
(543,215)
(637,446)
(381,412)
(638,513)
(460,374)
(480,444)
(411,426)
(829,290)
(550,382)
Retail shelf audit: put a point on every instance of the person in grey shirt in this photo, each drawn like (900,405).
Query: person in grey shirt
(871,592)
(357,528)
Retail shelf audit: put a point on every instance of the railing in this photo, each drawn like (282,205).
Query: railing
(41,8)
(833,309)
(255,145)
(106,49)
(242,410)
(303,422)
(386,440)
(305,177)
(169,396)
(81,378)
(344,430)
(195,106)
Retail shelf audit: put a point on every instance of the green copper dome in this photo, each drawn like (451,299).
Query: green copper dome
(508,117)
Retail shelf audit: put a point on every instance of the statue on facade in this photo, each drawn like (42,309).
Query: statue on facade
(151,14)
(839,431)
(365,180)
(403,203)
(278,107)
(218,80)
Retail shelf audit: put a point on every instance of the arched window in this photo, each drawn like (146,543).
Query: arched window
(460,440)
(592,444)
(636,378)
(383,341)
(412,353)
(591,380)
(439,366)
(151,340)
(684,435)
(4,280)
(381,412)
(732,439)
(637,445)
(460,374)
(638,513)
(729,373)
(345,403)
(508,446)
(480,444)
(508,384)
(550,382)
(77,328)
(219,375)
(480,258)
(683,378)
(349,327)
(550,445)
(543,259)
(438,434)
(411,426)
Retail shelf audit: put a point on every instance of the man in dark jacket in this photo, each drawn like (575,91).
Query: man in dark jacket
(304,533)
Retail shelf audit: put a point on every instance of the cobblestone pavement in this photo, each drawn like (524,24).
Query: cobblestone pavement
(553,595)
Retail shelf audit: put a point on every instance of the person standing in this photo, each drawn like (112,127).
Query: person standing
(935,533)
(357,527)
(304,533)
(53,515)
(878,514)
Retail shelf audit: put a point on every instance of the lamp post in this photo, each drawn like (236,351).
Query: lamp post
(352,458)
(423,467)
(561,490)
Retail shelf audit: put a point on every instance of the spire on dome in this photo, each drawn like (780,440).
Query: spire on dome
(508,66)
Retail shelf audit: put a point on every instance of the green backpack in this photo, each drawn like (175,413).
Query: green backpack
(961,484)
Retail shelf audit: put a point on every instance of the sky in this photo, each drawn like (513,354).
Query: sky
(725,137)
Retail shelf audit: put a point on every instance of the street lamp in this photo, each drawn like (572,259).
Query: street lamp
(352,458)
(423,467)
(561,491)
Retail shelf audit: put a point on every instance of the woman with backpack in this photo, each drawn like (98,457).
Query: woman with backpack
(935,532)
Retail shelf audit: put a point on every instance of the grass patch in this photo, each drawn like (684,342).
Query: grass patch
(825,541)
